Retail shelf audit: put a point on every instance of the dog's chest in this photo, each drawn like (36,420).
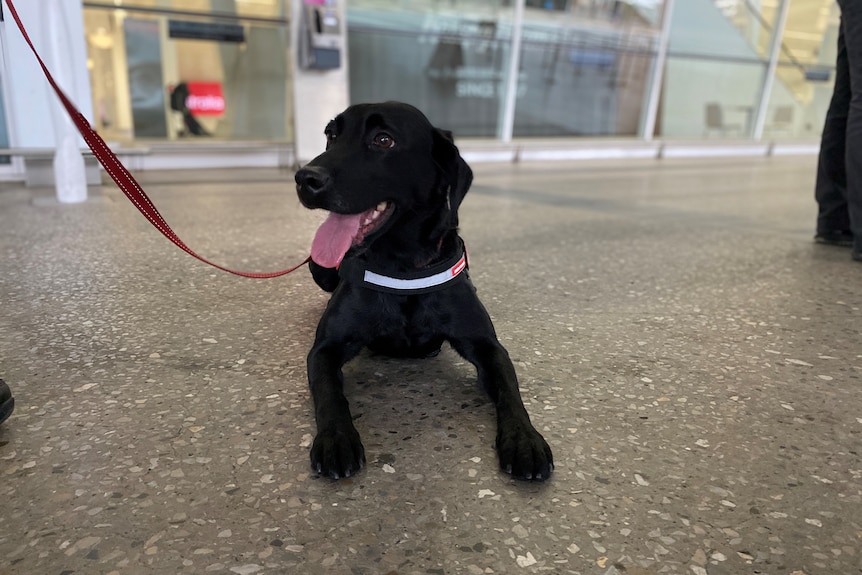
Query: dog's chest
(409,326)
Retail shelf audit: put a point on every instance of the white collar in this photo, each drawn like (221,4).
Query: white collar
(417,284)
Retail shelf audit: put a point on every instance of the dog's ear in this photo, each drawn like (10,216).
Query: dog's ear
(457,174)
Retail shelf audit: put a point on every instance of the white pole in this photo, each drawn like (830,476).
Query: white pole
(70,176)
(507,120)
(658,72)
(774,52)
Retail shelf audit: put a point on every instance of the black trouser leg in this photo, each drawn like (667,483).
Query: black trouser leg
(851,14)
(831,188)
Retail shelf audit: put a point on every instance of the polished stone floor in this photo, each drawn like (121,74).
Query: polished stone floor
(692,357)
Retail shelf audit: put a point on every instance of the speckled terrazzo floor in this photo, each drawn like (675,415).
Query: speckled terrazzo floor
(694,360)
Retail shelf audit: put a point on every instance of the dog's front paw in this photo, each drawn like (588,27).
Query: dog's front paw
(337,452)
(523,452)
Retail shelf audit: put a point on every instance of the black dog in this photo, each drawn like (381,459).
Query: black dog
(393,184)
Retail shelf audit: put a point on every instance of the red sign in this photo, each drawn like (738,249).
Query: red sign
(205,99)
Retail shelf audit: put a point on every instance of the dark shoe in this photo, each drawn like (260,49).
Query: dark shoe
(841,238)
(7,402)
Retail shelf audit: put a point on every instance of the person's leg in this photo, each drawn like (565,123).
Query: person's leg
(851,15)
(833,220)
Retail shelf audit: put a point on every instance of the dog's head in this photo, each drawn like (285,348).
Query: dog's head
(385,167)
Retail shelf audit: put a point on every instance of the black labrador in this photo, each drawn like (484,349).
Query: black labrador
(391,253)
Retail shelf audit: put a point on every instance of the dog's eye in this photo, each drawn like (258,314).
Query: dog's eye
(330,138)
(383,140)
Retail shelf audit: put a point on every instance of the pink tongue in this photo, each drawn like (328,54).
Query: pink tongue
(333,238)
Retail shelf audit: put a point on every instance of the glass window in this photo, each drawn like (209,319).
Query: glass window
(579,80)
(585,67)
(715,71)
(806,71)
(584,63)
(447,59)
(167,72)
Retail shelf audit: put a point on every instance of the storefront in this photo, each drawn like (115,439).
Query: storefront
(197,71)
(191,69)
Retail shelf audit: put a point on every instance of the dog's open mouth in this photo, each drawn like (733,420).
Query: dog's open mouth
(340,232)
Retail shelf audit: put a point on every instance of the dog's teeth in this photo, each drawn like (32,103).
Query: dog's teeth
(381,206)
(370,218)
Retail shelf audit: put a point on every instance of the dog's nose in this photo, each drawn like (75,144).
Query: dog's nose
(312,179)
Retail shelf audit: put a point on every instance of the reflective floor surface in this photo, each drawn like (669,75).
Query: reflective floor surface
(692,357)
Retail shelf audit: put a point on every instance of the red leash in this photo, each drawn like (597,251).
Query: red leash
(121,175)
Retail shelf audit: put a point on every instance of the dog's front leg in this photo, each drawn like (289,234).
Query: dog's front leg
(337,450)
(522,450)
